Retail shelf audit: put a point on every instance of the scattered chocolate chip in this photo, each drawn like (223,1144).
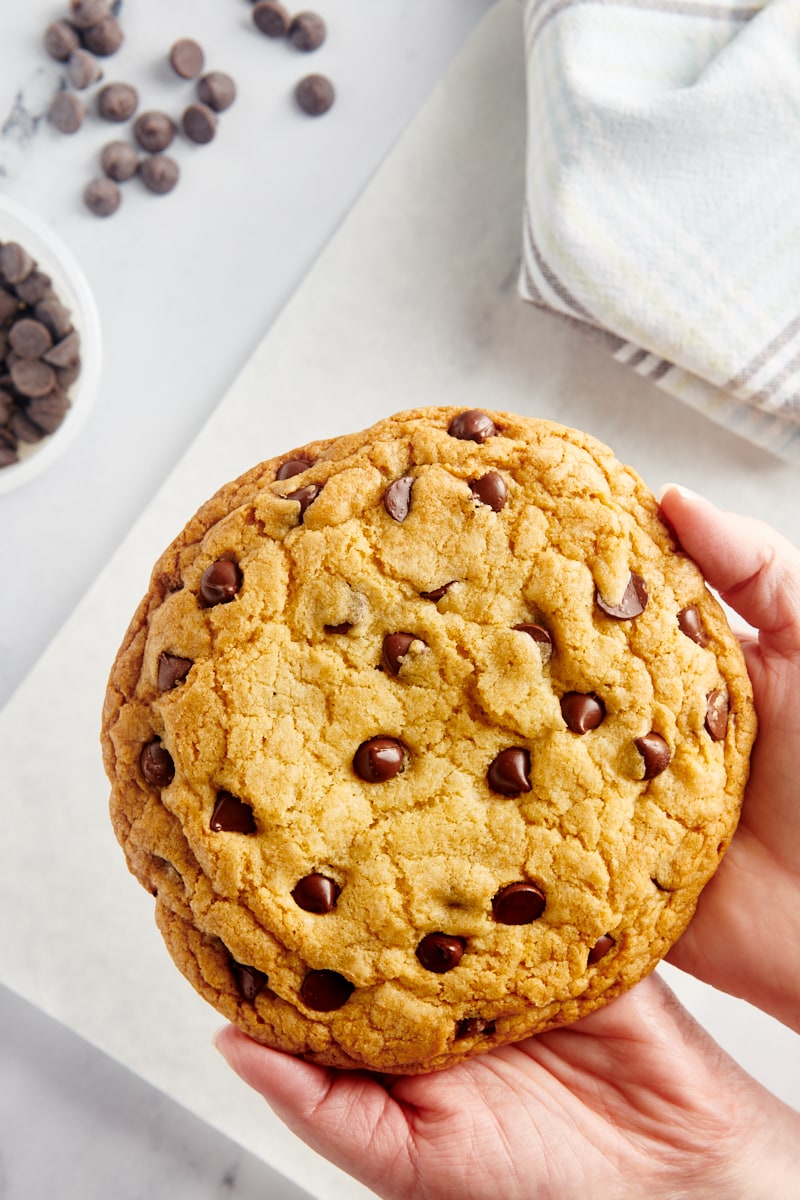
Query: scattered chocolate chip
(61,40)
(83,69)
(472,426)
(440,952)
(172,670)
(199,123)
(344,627)
(119,161)
(509,773)
(271,18)
(490,489)
(186,58)
(102,197)
(655,752)
(15,262)
(32,377)
(601,948)
(315,893)
(117,101)
(159,173)
(66,112)
(439,592)
(307,31)
(156,764)
(633,602)
(250,982)
(220,582)
(518,904)
(104,38)
(231,815)
(394,649)
(154,131)
(292,467)
(474,1027)
(217,90)
(690,623)
(379,759)
(717,711)
(397,498)
(30,338)
(540,635)
(85,13)
(325,991)
(305,496)
(582,712)
(315,94)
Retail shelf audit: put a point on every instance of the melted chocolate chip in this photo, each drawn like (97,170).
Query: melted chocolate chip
(717,710)
(315,893)
(397,498)
(601,948)
(690,623)
(395,648)
(325,991)
(305,496)
(472,426)
(633,602)
(292,467)
(220,582)
(474,1027)
(379,759)
(540,635)
(490,489)
(172,670)
(440,952)
(232,815)
(509,772)
(156,764)
(518,904)
(655,752)
(344,627)
(437,593)
(582,712)
(249,981)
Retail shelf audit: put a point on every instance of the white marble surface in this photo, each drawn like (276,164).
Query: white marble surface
(427,259)
(187,285)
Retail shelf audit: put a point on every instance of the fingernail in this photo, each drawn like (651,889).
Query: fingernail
(687,493)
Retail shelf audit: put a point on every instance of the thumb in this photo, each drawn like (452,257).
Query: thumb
(755,570)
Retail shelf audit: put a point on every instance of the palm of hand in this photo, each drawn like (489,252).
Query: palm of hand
(612,1106)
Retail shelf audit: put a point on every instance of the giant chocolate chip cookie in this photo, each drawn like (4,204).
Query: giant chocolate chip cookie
(425,739)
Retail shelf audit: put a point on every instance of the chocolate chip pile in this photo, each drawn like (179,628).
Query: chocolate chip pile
(92,31)
(39,353)
(430,730)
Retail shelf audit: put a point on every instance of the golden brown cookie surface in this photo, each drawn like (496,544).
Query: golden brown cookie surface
(425,738)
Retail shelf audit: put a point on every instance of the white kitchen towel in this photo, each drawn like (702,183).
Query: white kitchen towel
(663,195)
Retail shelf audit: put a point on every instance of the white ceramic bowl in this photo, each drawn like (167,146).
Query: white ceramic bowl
(72,289)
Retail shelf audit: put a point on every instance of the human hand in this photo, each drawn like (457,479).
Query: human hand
(633,1101)
(745,935)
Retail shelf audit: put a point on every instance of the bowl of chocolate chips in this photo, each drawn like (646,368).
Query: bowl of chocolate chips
(50,349)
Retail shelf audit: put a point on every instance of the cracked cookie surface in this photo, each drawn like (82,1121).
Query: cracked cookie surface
(425,739)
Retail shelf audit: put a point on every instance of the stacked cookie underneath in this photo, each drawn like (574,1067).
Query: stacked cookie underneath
(425,739)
